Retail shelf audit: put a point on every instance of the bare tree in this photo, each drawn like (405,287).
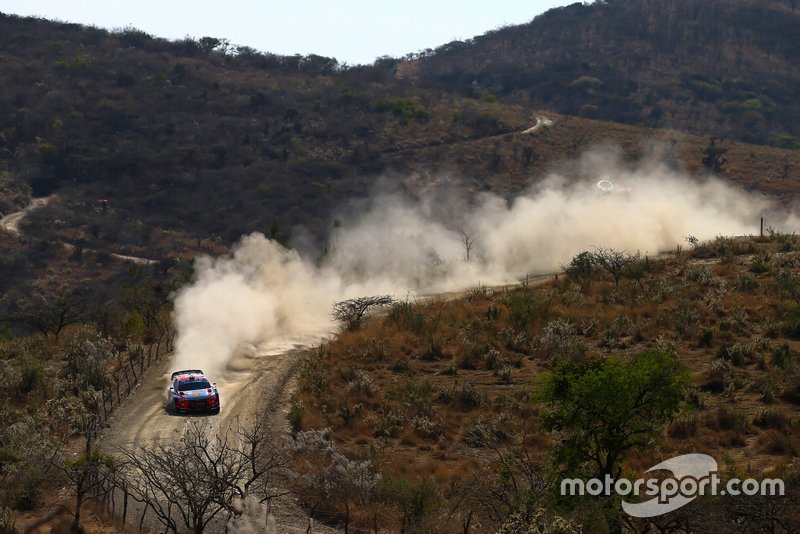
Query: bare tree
(188,484)
(614,262)
(351,312)
(267,456)
(468,241)
(50,316)
(516,481)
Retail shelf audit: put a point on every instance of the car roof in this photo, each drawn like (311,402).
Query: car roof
(196,372)
(189,377)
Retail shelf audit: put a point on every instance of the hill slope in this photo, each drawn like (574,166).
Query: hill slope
(718,67)
(194,145)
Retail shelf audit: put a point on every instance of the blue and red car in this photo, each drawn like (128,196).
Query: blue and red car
(191,392)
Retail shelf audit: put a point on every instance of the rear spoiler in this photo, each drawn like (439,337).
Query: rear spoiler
(186,372)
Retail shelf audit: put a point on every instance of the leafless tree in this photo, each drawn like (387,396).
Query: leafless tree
(517,479)
(468,241)
(50,316)
(351,312)
(186,484)
(614,262)
(267,456)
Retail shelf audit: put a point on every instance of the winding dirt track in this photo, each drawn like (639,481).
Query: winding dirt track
(261,381)
(142,419)
(10,222)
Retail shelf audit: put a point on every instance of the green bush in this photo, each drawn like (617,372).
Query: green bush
(31,375)
(526,305)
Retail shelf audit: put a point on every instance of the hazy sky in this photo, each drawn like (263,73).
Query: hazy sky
(353,31)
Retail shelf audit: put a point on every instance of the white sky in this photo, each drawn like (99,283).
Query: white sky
(353,31)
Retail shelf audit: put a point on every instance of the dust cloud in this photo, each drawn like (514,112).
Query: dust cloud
(265,294)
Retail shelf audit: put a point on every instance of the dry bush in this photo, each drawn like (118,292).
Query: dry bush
(559,340)
(359,381)
(777,443)
(773,419)
(728,418)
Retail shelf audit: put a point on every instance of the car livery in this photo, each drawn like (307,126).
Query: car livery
(190,391)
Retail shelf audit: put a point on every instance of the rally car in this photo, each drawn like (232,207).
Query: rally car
(191,391)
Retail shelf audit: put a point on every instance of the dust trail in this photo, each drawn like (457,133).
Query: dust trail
(264,293)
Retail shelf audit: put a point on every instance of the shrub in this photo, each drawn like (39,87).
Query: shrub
(782,356)
(727,418)
(311,376)
(777,443)
(400,365)
(87,355)
(31,375)
(696,398)
(766,386)
(296,415)
(558,341)
(352,311)
(373,350)
(407,318)
(720,374)
(418,501)
(791,389)
(358,381)
(485,429)
(683,427)
(702,276)
(738,353)
(468,395)
(760,263)
(788,285)
(427,427)
(518,341)
(790,260)
(390,422)
(415,394)
(10,380)
(435,348)
(772,419)
(746,283)
(525,306)
(581,269)
(685,318)
(791,322)
(706,338)
(493,360)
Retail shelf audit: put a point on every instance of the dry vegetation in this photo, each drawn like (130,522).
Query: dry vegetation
(431,391)
(63,371)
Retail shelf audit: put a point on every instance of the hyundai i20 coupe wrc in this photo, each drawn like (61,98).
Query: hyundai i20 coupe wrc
(191,392)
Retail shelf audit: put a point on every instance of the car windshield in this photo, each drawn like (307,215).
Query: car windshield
(194,384)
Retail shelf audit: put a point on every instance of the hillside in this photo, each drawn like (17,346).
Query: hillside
(194,144)
(444,397)
(144,154)
(718,67)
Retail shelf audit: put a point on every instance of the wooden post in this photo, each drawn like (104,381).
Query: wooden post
(762,226)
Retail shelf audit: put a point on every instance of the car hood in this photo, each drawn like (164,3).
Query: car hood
(197,394)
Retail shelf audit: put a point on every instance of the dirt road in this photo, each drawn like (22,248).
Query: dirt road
(256,381)
(10,222)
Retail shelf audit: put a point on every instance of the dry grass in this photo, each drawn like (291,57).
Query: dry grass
(417,388)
